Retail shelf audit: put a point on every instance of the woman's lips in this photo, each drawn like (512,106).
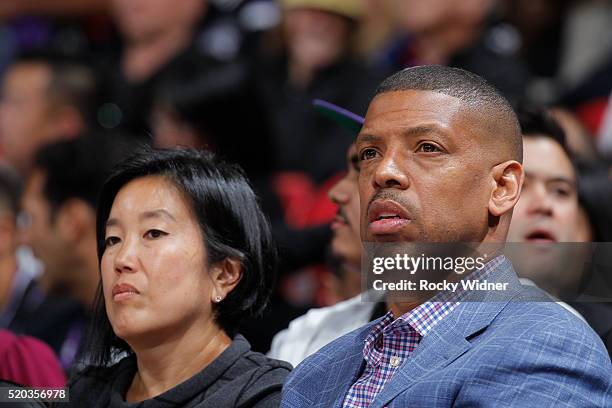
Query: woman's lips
(124,291)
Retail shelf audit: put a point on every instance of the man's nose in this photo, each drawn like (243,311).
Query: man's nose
(390,172)
(339,193)
(540,201)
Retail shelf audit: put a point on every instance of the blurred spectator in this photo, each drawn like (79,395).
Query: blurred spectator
(59,205)
(587,40)
(28,361)
(9,208)
(345,246)
(210,105)
(24,308)
(15,8)
(316,62)
(540,24)
(578,139)
(548,210)
(552,219)
(595,196)
(460,33)
(590,101)
(45,97)
(155,36)
(59,202)
(318,327)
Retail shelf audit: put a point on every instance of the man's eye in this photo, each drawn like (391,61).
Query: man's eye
(154,234)
(368,154)
(561,192)
(110,241)
(428,148)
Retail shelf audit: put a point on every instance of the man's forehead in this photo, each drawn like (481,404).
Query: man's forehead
(545,158)
(413,102)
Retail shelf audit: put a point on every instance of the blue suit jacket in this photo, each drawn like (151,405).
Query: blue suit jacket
(511,352)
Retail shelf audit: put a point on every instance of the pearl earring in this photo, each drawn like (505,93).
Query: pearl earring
(218,299)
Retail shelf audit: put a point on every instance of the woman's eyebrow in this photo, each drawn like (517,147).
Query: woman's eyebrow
(159,213)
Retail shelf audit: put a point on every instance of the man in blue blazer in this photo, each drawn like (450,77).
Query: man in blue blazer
(440,161)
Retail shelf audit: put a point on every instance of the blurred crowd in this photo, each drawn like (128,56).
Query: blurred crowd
(84,82)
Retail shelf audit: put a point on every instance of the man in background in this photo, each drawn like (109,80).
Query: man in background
(59,204)
(25,309)
(45,98)
(550,230)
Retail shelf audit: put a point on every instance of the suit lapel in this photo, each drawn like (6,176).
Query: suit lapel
(346,369)
(448,339)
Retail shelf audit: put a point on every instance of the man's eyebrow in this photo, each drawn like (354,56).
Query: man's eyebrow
(367,138)
(553,179)
(408,132)
(425,129)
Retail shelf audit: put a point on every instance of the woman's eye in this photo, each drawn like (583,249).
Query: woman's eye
(428,148)
(110,241)
(154,234)
(368,154)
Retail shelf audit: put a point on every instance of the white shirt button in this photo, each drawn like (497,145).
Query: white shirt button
(395,361)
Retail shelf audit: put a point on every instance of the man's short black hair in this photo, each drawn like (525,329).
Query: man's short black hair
(232,224)
(474,92)
(77,168)
(537,122)
(74,80)
(10,189)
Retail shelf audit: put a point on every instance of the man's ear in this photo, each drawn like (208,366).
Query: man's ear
(74,219)
(225,276)
(507,180)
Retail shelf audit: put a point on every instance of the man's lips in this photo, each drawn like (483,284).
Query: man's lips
(540,235)
(386,217)
(123,291)
(340,220)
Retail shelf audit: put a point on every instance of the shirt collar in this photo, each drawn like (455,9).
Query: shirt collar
(424,317)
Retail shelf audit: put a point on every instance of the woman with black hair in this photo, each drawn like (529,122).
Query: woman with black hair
(185,254)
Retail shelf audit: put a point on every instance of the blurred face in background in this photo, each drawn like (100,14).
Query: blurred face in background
(26,113)
(170,131)
(8,234)
(141,20)
(548,209)
(419,16)
(346,242)
(315,38)
(546,215)
(42,232)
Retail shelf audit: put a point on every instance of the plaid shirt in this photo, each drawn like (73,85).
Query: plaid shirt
(391,342)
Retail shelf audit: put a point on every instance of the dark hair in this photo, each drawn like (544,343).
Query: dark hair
(73,80)
(537,122)
(473,91)
(10,189)
(595,196)
(220,102)
(77,168)
(232,224)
